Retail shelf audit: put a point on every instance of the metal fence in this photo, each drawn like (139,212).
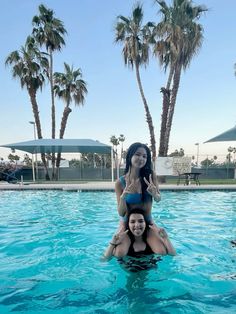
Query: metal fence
(90,174)
(69,174)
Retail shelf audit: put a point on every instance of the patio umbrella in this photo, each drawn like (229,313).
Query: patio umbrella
(226,136)
(62,146)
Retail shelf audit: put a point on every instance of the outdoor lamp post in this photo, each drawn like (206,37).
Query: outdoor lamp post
(197,144)
(33,123)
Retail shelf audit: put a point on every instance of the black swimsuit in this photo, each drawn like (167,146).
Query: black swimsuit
(133,253)
(142,260)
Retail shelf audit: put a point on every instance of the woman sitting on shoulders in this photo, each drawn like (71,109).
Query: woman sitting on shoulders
(138,186)
(133,241)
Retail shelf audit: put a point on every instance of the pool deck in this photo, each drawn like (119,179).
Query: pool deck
(105,186)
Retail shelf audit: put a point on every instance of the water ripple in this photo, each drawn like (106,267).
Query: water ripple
(51,243)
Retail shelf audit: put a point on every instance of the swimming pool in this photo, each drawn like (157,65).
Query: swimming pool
(51,243)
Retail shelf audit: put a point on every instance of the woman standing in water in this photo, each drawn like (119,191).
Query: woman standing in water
(134,241)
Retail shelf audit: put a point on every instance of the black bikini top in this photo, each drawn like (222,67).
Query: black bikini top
(133,253)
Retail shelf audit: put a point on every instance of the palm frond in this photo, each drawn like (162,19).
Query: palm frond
(180,29)
(48,30)
(134,36)
(70,86)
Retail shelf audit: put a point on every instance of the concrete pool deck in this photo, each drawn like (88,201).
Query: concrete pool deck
(105,186)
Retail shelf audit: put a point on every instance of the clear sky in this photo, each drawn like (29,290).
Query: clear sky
(207,96)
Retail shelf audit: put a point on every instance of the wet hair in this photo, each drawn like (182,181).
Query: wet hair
(145,171)
(141,212)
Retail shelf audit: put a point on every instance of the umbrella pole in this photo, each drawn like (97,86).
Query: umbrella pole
(33,172)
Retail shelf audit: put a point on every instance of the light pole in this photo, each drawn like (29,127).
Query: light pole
(36,161)
(197,144)
(112,165)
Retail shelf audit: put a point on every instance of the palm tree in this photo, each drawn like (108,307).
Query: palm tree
(68,86)
(115,142)
(135,37)
(49,31)
(234,152)
(178,38)
(121,140)
(29,65)
(230,150)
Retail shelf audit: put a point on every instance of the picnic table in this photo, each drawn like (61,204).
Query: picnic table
(188,176)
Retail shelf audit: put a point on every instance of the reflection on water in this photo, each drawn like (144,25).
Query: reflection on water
(51,244)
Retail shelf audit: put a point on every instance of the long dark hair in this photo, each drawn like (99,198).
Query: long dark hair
(141,212)
(145,171)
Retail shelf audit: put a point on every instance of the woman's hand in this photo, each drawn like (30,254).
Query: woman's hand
(159,231)
(163,233)
(130,187)
(118,237)
(152,189)
(155,228)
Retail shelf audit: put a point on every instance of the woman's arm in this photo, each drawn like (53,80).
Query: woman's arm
(166,241)
(109,250)
(120,196)
(159,235)
(118,246)
(153,187)
(157,195)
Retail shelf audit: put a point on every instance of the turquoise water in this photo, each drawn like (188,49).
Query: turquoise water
(51,243)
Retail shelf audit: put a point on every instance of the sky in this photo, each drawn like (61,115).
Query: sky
(206,100)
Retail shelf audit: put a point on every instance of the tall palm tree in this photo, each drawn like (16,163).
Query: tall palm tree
(179,38)
(121,140)
(134,36)
(49,32)
(69,86)
(29,65)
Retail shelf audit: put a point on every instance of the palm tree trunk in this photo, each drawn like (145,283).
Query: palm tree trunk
(33,100)
(172,70)
(148,115)
(64,119)
(43,158)
(165,109)
(52,109)
(176,81)
(34,104)
(52,94)
(164,115)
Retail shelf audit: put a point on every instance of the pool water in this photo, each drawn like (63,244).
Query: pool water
(51,243)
